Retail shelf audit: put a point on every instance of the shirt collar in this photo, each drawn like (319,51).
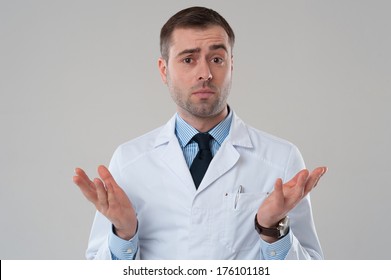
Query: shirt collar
(185,132)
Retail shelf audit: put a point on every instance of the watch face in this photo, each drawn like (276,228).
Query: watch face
(283,226)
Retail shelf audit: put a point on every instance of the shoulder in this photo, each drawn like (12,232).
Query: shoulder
(146,142)
(136,148)
(265,139)
(140,144)
(257,137)
(267,147)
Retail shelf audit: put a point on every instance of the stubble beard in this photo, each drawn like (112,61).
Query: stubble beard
(207,108)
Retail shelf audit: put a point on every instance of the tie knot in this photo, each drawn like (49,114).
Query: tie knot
(202,140)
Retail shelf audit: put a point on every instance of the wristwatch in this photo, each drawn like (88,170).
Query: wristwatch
(278,232)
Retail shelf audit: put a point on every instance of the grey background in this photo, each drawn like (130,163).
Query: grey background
(78,78)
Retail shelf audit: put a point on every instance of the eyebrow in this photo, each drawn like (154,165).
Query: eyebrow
(197,50)
(189,51)
(218,46)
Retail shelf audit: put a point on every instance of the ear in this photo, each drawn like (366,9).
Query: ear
(232,63)
(162,64)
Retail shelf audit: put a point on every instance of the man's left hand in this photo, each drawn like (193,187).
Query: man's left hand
(286,196)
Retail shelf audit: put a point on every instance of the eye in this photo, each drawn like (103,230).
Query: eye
(217,60)
(188,60)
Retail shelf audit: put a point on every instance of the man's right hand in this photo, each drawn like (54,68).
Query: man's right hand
(110,200)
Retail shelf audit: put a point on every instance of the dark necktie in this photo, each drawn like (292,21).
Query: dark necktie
(203,158)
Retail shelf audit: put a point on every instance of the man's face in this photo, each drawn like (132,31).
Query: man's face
(198,72)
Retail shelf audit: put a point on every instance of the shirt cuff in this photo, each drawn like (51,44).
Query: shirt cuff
(277,250)
(123,249)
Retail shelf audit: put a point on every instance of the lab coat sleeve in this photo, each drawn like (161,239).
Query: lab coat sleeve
(98,245)
(101,231)
(305,242)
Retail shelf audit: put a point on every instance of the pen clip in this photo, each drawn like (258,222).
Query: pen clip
(240,190)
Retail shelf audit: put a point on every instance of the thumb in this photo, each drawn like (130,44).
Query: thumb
(104,173)
(106,176)
(278,186)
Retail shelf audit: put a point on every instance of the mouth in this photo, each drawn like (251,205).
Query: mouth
(203,93)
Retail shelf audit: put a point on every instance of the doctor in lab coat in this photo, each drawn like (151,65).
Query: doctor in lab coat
(147,204)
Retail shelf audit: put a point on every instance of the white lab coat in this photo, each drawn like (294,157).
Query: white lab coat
(176,221)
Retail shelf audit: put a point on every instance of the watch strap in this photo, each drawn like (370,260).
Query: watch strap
(271,232)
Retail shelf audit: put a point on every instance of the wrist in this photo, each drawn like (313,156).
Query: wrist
(268,221)
(125,234)
(273,233)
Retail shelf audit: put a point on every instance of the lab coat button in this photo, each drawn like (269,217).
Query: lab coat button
(129,251)
(273,253)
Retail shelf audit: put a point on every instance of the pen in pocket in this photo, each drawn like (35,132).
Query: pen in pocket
(240,190)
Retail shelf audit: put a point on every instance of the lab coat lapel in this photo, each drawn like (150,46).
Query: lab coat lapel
(228,155)
(172,154)
(224,160)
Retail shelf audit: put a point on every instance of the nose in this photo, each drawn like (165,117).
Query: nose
(205,77)
(204,73)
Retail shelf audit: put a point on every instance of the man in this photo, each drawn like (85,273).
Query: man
(158,202)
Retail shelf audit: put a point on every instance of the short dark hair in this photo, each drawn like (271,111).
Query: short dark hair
(193,17)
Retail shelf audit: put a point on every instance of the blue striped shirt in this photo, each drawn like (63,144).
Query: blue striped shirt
(185,133)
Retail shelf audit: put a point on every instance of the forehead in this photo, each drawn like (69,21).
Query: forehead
(192,38)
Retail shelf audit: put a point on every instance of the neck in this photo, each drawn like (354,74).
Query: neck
(204,124)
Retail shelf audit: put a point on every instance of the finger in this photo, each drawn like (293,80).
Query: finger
(106,176)
(301,183)
(316,175)
(80,173)
(111,197)
(303,177)
(85,184)
(84,178)
(314,178)
(102,204)
(80,182)
(116,195)
(294,181)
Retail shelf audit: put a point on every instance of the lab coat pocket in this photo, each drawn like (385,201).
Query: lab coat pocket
(238,231)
